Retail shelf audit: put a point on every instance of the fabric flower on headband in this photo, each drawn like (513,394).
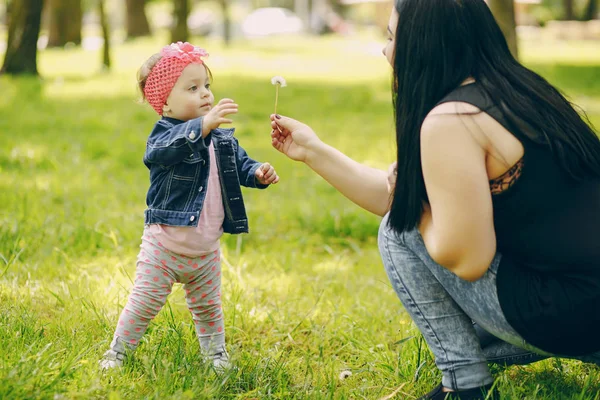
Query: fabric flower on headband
(184,51)
(164,75)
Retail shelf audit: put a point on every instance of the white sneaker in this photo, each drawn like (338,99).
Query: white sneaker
(221,360)
(111,360)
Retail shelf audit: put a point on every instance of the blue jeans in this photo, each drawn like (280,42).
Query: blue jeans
(461,321)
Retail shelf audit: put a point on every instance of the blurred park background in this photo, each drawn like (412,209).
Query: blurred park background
(309,311)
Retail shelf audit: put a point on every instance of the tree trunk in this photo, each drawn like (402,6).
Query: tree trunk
(302,10)
(23,33)
(504,12)
(568,5)
(74,24)
(105,36)
(226,21)
(137,22)
(64,22)
(179,30)
(591,10)
(6,20)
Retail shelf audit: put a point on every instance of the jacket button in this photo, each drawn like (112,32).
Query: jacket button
(192,218)
(192,135)
(201,187)
(203,162)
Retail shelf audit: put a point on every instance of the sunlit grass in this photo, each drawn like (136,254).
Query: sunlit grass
(305,294)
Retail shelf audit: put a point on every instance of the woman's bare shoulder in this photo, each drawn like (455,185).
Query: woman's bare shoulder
(455,108)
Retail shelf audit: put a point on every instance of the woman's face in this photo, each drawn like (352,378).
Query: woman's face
(388,50)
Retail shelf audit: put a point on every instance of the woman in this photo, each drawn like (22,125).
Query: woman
(491,240)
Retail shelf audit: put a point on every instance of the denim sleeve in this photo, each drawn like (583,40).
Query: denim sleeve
(247,168)
(170,144)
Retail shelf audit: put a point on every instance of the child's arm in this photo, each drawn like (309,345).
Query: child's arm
(247,169)
(169,145)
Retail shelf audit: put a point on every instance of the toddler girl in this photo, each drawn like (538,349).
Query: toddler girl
(196,169)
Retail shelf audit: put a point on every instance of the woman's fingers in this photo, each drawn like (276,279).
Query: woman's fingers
(283,123)
(276,140)
(279,135)
(276,127)
(276,144)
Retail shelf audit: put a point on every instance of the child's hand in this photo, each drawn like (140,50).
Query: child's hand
(266,174)
(216,116)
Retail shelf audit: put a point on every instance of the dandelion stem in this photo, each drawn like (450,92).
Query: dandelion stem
(276,96)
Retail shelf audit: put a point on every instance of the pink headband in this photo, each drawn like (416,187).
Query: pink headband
(165,73)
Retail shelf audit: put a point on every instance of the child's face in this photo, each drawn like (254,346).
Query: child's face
(191,96)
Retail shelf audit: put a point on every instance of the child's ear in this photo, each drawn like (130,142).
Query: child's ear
(166,109)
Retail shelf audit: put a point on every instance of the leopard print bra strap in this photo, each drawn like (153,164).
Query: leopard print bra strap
(507,179)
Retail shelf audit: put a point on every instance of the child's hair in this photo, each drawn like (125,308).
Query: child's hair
(146,68)
(144,71)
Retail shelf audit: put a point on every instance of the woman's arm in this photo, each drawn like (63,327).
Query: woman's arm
(363,185)
(457,226)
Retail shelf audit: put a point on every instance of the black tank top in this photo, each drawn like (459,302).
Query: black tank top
(548,233)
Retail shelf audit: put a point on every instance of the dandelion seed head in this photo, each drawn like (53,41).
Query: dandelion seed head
(278,80)
(345,374)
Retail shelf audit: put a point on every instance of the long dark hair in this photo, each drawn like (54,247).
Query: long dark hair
(439,44)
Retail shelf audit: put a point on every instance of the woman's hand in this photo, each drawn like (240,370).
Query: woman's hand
(292,138)
(391,178)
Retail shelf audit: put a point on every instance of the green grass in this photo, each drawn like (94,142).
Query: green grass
(305,294)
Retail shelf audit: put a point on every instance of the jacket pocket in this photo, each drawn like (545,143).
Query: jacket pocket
(194,158)
(183,185)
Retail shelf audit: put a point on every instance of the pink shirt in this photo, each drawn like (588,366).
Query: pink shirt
(197,241)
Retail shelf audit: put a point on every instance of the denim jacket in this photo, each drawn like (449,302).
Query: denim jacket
(177,157)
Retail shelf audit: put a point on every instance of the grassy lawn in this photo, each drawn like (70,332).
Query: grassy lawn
(305,294)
